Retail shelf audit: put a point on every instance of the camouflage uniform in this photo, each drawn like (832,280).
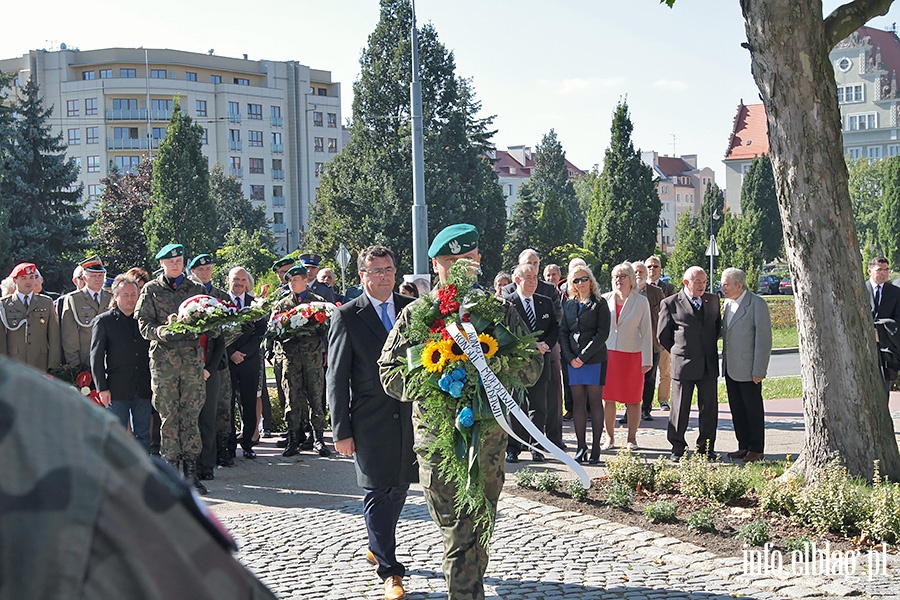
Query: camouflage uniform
(304,373)
(86,514)
(465,560)
(176,368)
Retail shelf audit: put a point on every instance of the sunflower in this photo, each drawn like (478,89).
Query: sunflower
(433,358)
(489,345)
(453,351)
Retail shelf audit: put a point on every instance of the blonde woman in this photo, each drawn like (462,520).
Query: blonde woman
(630,347)
(582,337)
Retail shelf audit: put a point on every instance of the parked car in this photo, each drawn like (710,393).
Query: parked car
(787,287)
(769,284)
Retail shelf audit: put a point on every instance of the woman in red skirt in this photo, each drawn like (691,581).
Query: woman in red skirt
(630,347)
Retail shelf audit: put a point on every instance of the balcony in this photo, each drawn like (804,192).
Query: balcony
(277,200)
(234,117)
(160,115)
(237,172)
(277,122)
(277,148)
(235,145)
(278,227)
(127,144)
(277,174)
(128,114)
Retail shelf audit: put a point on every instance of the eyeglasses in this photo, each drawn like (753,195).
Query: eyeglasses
(652,266)
(386,272)
(581,279)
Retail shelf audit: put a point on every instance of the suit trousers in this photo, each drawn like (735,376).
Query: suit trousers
(649,385)
(535,407)
(747,414)
(381,510)
(207,460)
(554,397)
(245,383)
(707,405)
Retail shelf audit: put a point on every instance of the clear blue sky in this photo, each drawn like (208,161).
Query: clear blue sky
(535,64)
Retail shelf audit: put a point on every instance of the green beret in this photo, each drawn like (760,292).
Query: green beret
(200,260)
(170,251)
(454,240)
(287,260)
(296,270)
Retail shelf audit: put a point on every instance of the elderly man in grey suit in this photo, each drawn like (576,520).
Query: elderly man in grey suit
(746,347)
(368,424)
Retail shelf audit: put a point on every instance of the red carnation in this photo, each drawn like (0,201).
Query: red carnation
(437,326)
(321,317)
(83,379)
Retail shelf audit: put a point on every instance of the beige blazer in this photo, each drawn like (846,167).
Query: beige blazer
(633,331)
(78,314)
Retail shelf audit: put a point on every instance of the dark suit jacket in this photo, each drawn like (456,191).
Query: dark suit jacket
(543,315)
(120,356)
(667,288)
(583,331)
(544,288)
(249,340)
(889,308)
(381,427)
(691,335)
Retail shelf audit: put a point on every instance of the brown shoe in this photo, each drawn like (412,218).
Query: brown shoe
(738,454)
(393,588)
(371,557)
(753,457)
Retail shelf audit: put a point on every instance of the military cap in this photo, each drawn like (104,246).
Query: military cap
(287,260)
(92,264)
(200,260)
(170,251)
(453,240)
(310,260)
(295,270)
(23,269)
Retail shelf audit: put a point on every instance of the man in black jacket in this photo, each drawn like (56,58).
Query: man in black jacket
(120,361)
(884,300)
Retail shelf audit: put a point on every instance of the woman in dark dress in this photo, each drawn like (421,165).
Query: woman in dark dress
(583,332)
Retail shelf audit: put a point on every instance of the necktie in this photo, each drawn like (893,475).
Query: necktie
(96,298)
(385,317)
(696,303)
(26,302)
(529,312)
(237,302)
(877,297)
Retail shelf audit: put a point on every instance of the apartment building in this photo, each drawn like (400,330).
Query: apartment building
(514,166)
(272,124)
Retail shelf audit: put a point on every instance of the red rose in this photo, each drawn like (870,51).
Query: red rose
(83,379)
(321,317)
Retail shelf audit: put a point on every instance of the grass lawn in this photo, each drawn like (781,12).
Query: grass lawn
(773,388)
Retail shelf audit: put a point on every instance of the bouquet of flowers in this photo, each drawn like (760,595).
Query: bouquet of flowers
(85,384)
(312,318)
(202,314)
(453,396)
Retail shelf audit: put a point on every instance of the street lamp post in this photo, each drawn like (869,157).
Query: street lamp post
(712,250)
(663,224)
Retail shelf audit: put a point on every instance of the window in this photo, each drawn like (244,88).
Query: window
(319,144)
(161,105)
(234,108)
(90,106)
(277,164)
(320,168)
(894,150)
(677,197)
(158,133)
(332,145)
(332,119)
(215,79)
(277,146)
(125,133)
(258,193)
(204,137)
(322,92)
(93,164)
(234,135)
(71,108)
(844,64)
(201,108)
(278,192)
(157,73)
(124,104)
(254,111)
(93,135)
(874,152)
(664,189)
(105,73)
(241,81)
(256,139)
(317,119)
(257,166)
(188,76)
(93,191)
(276,112)
(88,75)
(235,162)
(278,218)
(745,168)
(77,161)
(127,73)
(74,137)
(862,121)
(127,164)
(853,152)
(850,93)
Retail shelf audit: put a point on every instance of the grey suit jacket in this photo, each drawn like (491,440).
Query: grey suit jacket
(747,340)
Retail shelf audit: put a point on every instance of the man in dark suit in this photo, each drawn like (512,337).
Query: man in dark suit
(654,278)
(689,325)
(884,300)
(244,359)
(655,296)
(367,423)
(120,361)
(537,313)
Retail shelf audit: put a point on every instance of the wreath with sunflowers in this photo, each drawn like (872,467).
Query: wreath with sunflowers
(453,399)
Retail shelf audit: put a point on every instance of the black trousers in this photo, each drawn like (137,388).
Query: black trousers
(707,404)
(381,510)
(207,423)
(535,407)
(649,385)
(747,414)
(554,397)
(244,384)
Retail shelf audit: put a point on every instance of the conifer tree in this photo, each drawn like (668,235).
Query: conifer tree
(117,233)
(41,194)
(522,229)
(889,214)
(760,203)
(235,211)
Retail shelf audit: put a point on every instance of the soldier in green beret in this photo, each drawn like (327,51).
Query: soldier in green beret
(176,363)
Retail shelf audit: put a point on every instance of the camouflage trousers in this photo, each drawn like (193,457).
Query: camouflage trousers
(224,414)
(176,377)
(465,559)
(303,381)
(278,368)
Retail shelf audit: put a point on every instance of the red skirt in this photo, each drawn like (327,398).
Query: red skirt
(624,380)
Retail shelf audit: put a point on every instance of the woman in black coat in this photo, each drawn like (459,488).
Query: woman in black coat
(583,332)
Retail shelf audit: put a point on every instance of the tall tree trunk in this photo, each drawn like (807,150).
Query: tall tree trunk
(843,396)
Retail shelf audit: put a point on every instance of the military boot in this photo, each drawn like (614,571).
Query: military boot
(306,441)
(319,444)
(223,456)
(190,473)
(293,445)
